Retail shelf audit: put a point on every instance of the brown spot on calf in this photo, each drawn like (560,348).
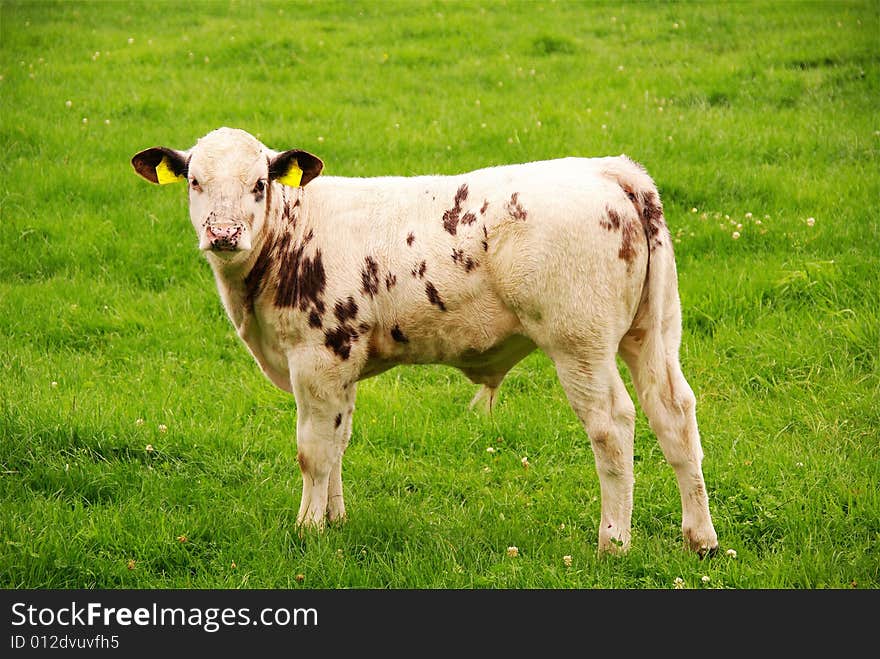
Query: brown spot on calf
(652,217)
(419,271)
(612,223)
(434,297)
(346,310)
(452,216)
(339,340)
(410,237)
(390,281)
(466,262)
(627,250)
(370,276)
(254,281)
(515,209)
(288,213)
(301,279)
(398,335)
(649,210)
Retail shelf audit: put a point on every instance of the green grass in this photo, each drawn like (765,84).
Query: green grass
(108,313)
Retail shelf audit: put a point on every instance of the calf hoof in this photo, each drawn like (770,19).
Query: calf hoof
(613,541)
(310,525)
(705,544)
(336,510)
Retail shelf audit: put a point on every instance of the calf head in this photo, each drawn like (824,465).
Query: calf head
(229,173)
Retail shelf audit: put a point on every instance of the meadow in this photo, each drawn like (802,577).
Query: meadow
(141,447)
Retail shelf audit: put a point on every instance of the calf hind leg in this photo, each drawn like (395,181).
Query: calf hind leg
(670,406)
(599,398)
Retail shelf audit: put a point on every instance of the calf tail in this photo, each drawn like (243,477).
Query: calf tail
(660,306)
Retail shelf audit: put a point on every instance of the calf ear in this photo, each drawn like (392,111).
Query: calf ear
(294,168)
(161,165)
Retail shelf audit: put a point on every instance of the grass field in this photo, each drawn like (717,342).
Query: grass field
(141,447)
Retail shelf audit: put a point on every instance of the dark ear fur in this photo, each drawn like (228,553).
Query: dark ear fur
(146,161)
(310,165)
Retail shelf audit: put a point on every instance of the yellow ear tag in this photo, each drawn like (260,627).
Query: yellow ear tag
(164,174)
(293,176)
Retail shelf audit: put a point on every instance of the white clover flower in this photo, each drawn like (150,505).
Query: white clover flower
(705,578)
(68,104)
(525,462)
(748,216)
(678,583)
(139,422)
(131,40)
(149,448)
(567,560)
(53,384)
(512,551)
(735,235)
(731,553)
(163,427)
(811,221)
(490,449)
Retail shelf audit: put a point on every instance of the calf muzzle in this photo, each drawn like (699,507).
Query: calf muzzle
(220,237)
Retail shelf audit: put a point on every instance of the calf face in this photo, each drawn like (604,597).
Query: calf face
(228,173)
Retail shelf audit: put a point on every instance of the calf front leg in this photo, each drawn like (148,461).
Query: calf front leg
(323,427)
(335,501)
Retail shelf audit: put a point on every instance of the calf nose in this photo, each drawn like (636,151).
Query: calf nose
(223,235)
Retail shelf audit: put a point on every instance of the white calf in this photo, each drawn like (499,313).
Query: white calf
(332,280)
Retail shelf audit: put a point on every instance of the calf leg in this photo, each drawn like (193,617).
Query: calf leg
(600,400)
(670,406)
(335,501)
(323,426)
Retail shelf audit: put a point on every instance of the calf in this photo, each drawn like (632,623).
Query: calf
(332,280)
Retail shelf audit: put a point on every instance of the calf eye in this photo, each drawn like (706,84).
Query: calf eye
(259,187)
(195,184)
